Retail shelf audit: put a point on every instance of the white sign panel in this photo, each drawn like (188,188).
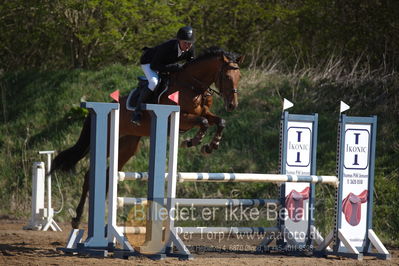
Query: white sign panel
(299,147)
(355,183)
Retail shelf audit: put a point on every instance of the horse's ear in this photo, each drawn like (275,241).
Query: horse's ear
(240,59)
(226,59)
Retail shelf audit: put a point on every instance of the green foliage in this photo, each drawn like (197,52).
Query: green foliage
(77,113)
(41,111)
(94,33)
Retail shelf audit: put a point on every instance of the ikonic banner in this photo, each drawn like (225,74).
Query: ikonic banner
(299,147)
(355,183)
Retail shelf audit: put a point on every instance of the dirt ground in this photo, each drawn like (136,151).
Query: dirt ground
(21,247)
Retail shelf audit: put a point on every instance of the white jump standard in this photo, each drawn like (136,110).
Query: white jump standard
(42,218)
(298,145)
(96,243)
(353,234)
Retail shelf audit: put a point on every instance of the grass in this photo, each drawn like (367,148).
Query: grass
(40,111)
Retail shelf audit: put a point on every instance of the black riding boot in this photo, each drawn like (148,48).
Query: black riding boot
(137,114)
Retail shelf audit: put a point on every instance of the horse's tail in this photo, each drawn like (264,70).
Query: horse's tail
(67,159)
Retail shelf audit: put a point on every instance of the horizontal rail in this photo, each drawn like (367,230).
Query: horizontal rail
(135,230)
(236,177)
(205,230)
(122,176)
(226,230)
(122,201)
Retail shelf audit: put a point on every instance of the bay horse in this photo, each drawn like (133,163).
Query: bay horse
(214,66)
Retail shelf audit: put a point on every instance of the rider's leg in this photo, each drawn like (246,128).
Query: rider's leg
(153,79)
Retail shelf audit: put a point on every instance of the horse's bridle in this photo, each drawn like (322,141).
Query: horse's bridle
(218,79)
(208,91)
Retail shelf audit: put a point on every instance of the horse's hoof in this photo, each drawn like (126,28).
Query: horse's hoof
(215,146)
(75,223)
(206,149)
(187,144)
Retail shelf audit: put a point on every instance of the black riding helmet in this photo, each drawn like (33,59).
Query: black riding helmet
(186,34)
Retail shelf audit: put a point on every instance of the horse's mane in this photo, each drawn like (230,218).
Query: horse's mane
(212,52)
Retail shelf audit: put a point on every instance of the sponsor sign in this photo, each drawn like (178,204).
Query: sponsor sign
(355,183)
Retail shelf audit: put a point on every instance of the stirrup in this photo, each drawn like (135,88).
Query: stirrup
(136,118)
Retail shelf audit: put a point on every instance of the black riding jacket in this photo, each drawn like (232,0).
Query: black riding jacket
(164,57)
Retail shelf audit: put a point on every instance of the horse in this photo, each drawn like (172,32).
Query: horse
(193,81)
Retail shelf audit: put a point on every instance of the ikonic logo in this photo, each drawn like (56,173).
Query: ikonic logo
(356,149)
(298,152)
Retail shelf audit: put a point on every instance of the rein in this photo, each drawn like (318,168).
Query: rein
(212,91)
(208,91)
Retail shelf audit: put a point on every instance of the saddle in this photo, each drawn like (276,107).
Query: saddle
(160,89)
(351,207)
(294,204)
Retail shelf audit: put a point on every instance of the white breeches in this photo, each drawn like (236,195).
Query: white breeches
(151,75)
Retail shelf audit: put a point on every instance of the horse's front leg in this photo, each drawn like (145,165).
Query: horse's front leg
(215,143)
(189,121)
(79,210)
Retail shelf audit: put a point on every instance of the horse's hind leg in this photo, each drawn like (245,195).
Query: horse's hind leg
(128,146)
(79,210)
(194,121)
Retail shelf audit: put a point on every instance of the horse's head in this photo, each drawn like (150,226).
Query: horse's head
(227,80)
(217,66)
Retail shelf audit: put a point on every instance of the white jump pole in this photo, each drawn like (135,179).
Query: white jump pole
(235,177)
(50,211)
(113,231)
(171,235)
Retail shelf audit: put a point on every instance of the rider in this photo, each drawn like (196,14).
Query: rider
(163,58)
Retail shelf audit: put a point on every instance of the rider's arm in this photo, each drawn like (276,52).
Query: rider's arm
(158,64)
